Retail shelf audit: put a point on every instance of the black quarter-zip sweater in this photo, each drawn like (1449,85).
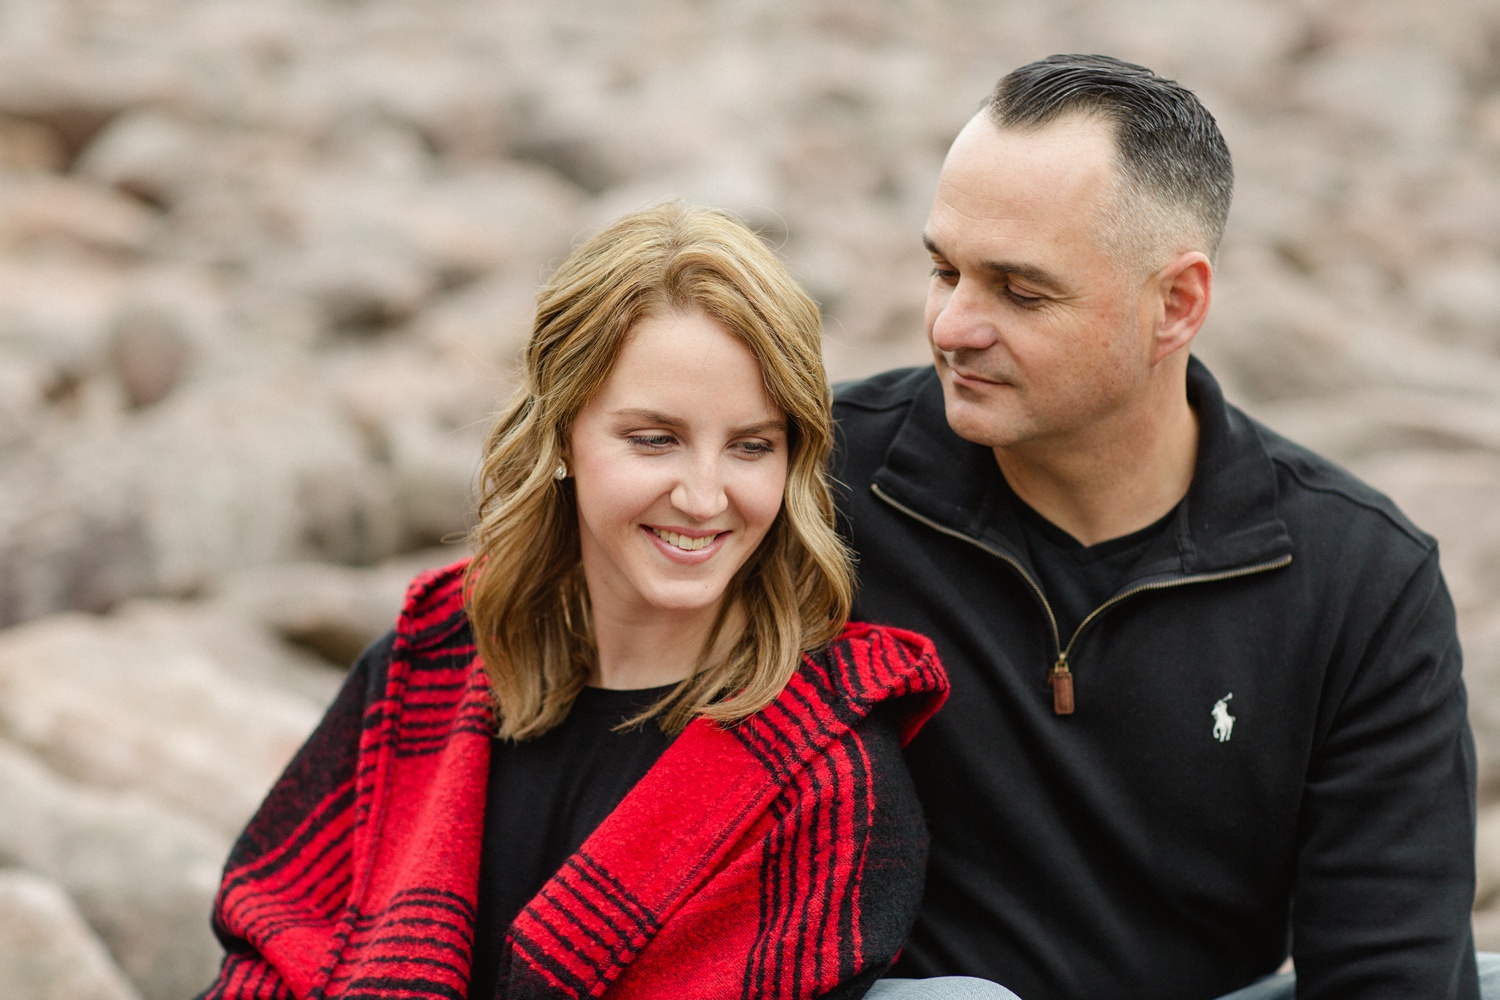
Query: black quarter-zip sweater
(1268,743)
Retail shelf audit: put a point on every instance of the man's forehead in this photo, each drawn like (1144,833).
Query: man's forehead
(1010,181)
(1076,147)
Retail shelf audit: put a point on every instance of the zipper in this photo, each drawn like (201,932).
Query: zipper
(1060,675)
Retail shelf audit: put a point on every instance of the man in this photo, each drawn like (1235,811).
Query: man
(1207,705)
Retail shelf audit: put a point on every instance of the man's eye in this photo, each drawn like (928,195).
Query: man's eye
(945,274)
(1020,299)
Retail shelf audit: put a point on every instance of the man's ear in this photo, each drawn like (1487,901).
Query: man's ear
(1185,287)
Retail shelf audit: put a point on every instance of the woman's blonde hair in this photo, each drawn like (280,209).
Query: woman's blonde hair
(525,591)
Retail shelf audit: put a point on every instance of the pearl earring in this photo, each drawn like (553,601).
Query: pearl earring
(561,472)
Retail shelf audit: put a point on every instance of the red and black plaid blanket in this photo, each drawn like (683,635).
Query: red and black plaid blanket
(778,858)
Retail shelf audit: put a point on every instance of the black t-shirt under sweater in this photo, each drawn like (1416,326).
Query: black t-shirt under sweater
(1078,578)
(545,797)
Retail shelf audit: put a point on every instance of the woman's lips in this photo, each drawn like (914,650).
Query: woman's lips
(683,546)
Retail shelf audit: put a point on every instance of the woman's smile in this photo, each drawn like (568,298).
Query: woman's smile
(685,542)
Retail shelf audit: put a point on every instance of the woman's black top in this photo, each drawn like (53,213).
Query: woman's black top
(545,797)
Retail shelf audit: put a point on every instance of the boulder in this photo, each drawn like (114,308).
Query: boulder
(112,707)
(58,311)
(1451,495)
(143,877)
(46,211)
(1487,850)
(73,530)
(146,153)
(333,611)
(1395,89)
(149,352)
(425,415)
(256,469)
(47,951)
(1481,644)
(29,145)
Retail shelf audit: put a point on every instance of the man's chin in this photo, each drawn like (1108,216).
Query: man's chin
(977,423)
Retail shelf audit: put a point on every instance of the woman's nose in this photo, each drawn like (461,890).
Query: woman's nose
(699,492)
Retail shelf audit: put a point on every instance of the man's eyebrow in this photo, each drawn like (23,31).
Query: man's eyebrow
(1003,269)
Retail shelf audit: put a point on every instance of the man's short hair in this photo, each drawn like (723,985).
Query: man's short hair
(1175,177)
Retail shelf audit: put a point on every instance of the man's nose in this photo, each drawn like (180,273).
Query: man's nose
(960,320)
(700,492)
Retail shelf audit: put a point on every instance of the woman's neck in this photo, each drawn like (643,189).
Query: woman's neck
(651,650)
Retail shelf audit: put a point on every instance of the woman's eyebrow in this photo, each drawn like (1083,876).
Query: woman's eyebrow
(761,427)
(657,418)
(649,417)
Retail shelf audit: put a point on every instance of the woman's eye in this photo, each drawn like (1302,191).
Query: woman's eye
(652,442)
(756,448)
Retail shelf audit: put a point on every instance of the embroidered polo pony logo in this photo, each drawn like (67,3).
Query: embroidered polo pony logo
(1223,721)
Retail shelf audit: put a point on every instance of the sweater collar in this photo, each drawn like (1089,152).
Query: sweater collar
(1229,519)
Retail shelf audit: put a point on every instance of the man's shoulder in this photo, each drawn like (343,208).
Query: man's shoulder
(1328,495)
(891,390)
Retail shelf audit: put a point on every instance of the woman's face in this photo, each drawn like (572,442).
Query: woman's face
(680,463)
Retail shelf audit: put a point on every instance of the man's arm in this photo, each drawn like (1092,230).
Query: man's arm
(1385,876)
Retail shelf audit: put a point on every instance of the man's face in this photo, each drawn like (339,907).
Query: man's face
(1040,338)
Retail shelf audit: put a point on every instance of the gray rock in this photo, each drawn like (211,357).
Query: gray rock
(1400,90)
(47,952)
(238,637)
(143,878)
(254,470)
(42,211)
(334,611)
(73,533)
(146,153)
(29,145)
(1462,298)
(1481,645)
(54,312)
(1450,494)
(115,707)
(1487,890)
(149,352)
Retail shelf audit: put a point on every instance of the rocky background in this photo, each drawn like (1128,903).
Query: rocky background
(264,268)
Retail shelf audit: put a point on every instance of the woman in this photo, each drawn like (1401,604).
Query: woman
(631,749)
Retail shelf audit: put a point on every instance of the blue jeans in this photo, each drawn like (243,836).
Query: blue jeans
(1282,987)
(941,988)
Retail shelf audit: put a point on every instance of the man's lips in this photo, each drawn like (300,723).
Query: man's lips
(974,378)
(970,376)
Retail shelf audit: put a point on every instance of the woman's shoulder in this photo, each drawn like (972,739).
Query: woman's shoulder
(433,612)
(878,661)
(866,665)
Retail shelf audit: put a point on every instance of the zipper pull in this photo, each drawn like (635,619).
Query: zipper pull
(1060,680)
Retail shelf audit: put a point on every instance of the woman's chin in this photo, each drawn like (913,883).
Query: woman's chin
(676,603)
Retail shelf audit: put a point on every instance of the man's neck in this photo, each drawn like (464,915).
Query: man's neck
(1113,485)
